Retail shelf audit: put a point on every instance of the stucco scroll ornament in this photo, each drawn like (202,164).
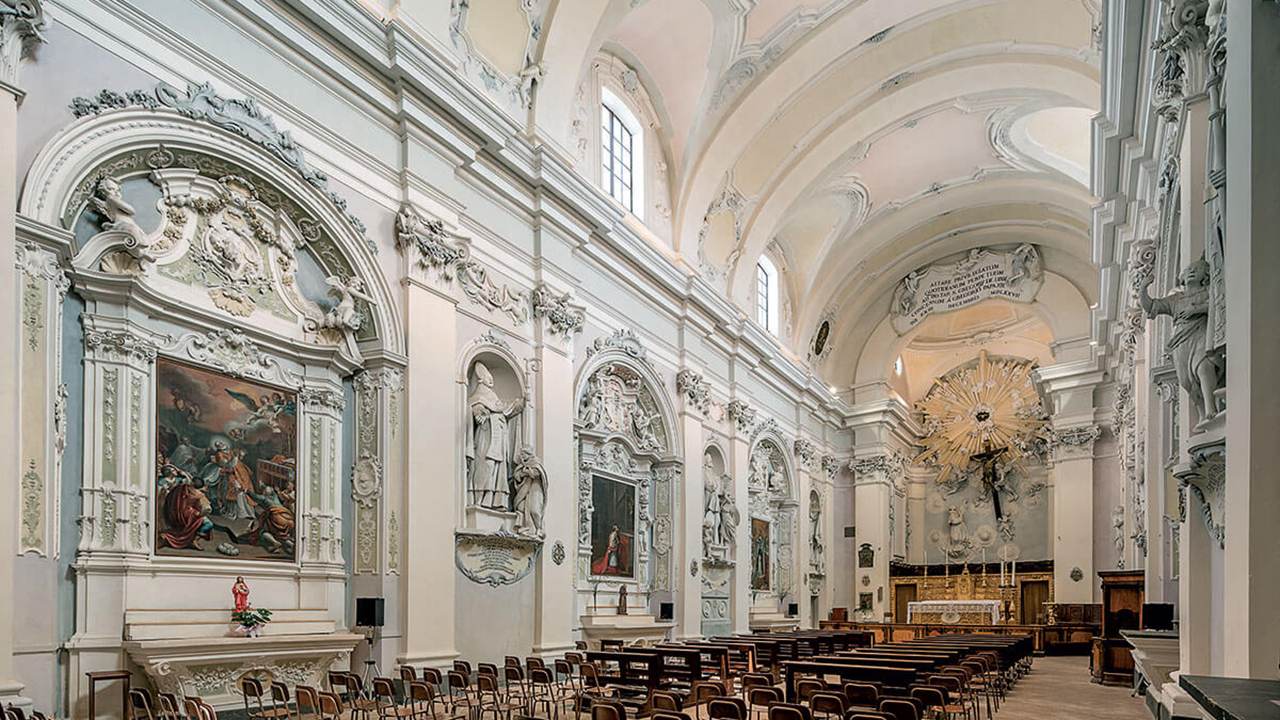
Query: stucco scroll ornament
(428,237)
(1198,372)
(742,414)
(117,220)
(562,316)
(531,494)
(22,25)
(696,390)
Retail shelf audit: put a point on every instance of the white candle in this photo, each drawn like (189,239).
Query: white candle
(1002,573)
(1014,579)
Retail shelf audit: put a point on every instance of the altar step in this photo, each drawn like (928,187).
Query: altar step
(216,623)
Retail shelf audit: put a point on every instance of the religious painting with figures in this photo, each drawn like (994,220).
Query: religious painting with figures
(225,466)
(613,527)
(759,554)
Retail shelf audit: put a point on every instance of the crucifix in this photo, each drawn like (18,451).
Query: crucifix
(988,458)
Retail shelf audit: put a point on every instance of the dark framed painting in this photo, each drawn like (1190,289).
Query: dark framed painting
(759,554)
(820,338)
(226,462)
(613,527)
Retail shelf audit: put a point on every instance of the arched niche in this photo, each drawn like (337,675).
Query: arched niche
(627,471)
(771,529)
(230,306)
(505,404)
(721,523)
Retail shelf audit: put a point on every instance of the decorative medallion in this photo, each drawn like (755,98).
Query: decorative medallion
(1077,574)
(557,553)
(820,338)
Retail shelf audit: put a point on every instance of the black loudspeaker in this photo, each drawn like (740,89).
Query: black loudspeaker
(370,612)
(666,611)
(1157,616)
(793,609)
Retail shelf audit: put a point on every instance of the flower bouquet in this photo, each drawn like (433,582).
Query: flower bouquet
(251,621)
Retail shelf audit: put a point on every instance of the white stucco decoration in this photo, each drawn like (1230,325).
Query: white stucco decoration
(982,274)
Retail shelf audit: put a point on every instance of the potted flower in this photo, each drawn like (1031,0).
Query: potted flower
(251,621)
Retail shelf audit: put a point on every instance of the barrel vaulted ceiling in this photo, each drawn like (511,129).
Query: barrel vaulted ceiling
(857,139)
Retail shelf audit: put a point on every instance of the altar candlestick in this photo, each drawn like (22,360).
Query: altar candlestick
(1014,579)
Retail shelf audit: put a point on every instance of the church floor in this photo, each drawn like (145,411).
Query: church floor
(1059,687)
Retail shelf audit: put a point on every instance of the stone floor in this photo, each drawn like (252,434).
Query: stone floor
(1059,687)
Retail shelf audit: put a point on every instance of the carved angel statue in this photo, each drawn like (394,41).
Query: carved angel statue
(642,425)
(1198,373)
(118,216)
(728,514)
(488,441)
(593,403)
(531,493)
(957,532)
(1117,528)
(343,315)
(711,520)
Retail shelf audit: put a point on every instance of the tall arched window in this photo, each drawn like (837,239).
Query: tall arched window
(621,153)
(767,300)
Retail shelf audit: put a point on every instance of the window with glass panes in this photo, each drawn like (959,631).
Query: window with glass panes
(616,158)
(762,296)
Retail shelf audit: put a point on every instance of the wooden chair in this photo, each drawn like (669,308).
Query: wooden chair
(309,698)
(828,704)
(252,689)
(280,697)
(665,701)
(489,697)
(760,698)
(354,698)
(900,709)
(510,660)
(487,669)
(421,699)
(702,693)
(592,687)
(862,695)
(170,707)
(608,710)
(463,667)
(408,674)
(517,684)
(951,687)
(543,692)
(140,705)
(580,645)
(669,715)
(567,683)
(727,708)
(330,706)
(933,698)
(860,714)
(807,687)
(460,693)
(751,680)
(789,711)
(198,709)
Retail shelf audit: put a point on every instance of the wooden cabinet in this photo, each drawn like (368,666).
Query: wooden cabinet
(1122,598)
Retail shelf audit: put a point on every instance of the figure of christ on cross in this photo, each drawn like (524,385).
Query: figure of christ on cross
(988,458)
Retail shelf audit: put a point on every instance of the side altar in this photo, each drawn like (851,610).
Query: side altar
(952,612)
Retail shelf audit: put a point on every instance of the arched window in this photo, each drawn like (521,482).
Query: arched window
(621,153)
(767,300)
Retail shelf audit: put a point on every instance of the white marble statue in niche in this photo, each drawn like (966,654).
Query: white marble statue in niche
(531,493)
(816,547)
(711,519)
(1198,372)
(488,442)
(729,516)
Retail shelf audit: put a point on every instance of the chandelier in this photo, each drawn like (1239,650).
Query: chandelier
(984,405)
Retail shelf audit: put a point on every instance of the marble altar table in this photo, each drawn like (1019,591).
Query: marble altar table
(954,612)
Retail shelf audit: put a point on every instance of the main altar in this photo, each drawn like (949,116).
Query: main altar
(953,612)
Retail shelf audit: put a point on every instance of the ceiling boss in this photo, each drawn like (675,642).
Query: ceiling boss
(986,415)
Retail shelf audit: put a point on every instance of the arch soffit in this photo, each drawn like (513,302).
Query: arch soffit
(80,149)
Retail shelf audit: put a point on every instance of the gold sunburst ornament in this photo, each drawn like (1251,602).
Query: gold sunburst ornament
(991,403)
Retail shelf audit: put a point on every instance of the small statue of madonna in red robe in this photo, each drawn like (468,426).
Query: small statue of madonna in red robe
(240,591)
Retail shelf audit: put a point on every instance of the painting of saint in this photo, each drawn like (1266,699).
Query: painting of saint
(225,466)
(613,528)
(759,554)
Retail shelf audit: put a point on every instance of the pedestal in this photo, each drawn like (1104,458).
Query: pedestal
(630,629)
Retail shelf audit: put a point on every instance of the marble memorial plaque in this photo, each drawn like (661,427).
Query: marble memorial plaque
(1016,275)
(495,559)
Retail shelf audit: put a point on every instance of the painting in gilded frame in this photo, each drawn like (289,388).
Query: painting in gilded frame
(226,460)
(613,528)
(759,554)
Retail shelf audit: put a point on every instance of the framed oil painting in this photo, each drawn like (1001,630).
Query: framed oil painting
(613,528)
(225,466)
(759,554)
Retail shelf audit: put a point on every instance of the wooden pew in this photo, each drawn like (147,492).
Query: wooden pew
(894,679)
